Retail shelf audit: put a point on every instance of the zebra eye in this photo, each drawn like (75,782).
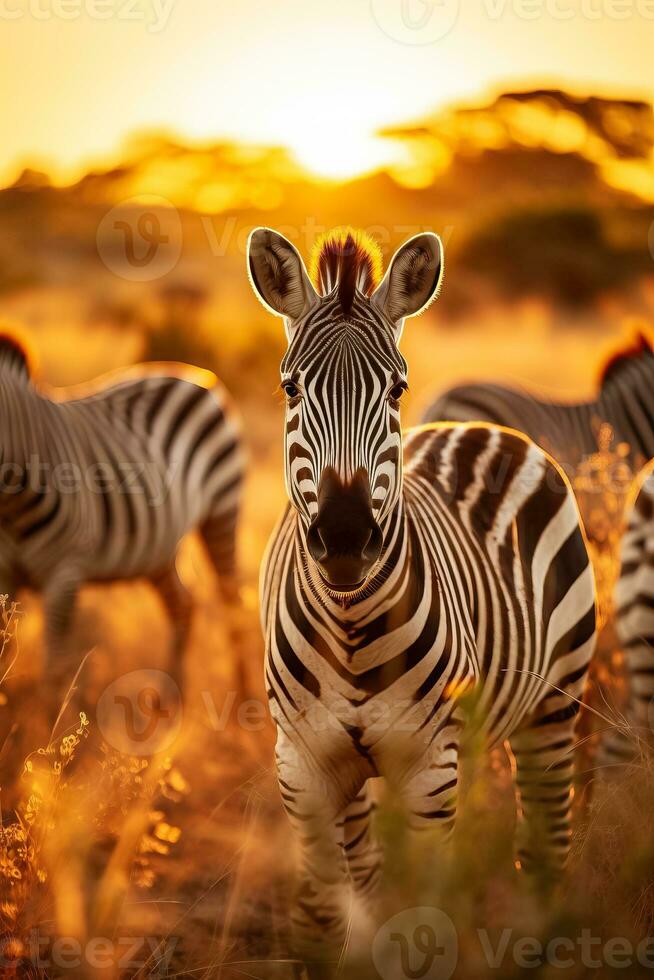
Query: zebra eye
(397,391)
(291,389)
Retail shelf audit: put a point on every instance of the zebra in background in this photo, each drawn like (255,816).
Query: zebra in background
(101,482)
(569,431)
(634,601)
(387,594)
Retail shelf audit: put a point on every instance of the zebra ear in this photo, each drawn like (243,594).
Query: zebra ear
(278,274)
(413,278)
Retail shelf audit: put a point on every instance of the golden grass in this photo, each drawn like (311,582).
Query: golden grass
(84,827)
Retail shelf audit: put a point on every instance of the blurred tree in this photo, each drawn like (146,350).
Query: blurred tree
(563,254)
(178,334)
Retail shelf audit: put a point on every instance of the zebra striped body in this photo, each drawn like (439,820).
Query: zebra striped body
(481,587)
(568,431)
(624,401)
(635,623)
(104,486)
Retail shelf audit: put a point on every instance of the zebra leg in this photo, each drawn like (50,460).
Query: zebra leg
(363,857)
(362,851)
(313,804)
(639,665)
(179,607)
(319,918)
(219,535)
(60,596)
(623,743)
(544,772)
(430,791)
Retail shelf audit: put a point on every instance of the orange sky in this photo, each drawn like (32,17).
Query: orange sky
(78,75)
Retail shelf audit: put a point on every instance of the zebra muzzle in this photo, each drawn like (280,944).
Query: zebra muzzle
(344,540)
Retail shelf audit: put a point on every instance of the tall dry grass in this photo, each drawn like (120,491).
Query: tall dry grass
(86,825)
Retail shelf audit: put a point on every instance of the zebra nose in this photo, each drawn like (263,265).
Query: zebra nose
(344,539)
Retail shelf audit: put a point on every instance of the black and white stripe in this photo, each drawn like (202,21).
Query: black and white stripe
(625,401)
(569,432)
(481,599)
(102,484)
(634,604)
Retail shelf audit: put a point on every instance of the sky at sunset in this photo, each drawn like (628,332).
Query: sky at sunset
(78,76)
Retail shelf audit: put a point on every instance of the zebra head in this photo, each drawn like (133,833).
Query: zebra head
(343,377)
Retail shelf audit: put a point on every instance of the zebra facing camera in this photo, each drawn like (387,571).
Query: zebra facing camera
(140,713)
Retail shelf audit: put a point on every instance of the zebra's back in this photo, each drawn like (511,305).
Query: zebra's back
(116,473)
(564,431)
(571,431)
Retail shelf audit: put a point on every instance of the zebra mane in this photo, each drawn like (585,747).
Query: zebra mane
(15,352)
(638,344)
(348,259)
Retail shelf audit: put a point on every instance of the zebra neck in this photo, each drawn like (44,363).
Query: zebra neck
(393,567)
(20,412)
(625,402)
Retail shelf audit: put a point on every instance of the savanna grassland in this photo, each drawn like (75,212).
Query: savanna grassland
(178,862)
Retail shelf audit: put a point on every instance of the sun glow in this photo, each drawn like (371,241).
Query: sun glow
(321,79)
(350,153)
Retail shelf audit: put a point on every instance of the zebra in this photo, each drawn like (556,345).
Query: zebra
(569,431)
(100,482)
(402,580)
(634,620)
